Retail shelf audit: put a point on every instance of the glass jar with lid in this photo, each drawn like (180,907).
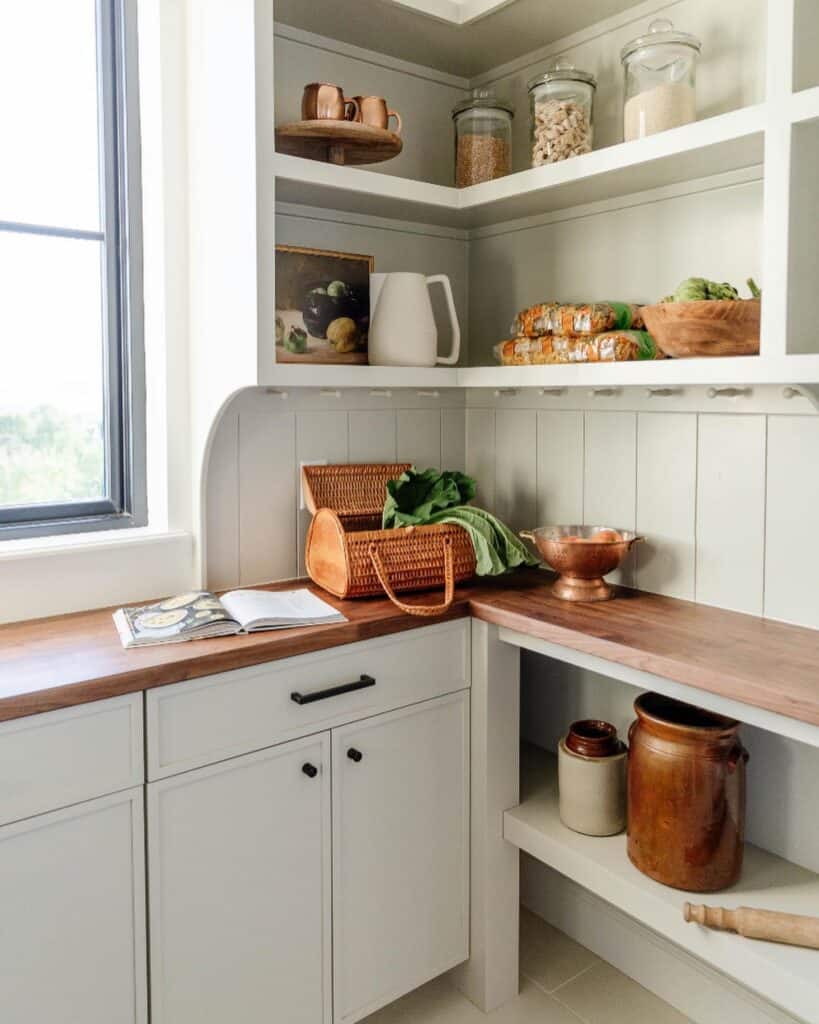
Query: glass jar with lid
(561,113)
(483,138)
(660,69)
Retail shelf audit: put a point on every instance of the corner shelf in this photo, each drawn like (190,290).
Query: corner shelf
(740,370)
(727,370)
(785,975)
(715,145)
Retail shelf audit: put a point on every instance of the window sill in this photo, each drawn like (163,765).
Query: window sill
(61,574)
(31,547)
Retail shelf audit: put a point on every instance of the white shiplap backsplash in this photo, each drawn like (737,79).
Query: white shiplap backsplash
(725,491)
(255,530)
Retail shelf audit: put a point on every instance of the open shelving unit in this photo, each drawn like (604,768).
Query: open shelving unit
(728,145)
(734,194)
(785,975)
(723,143)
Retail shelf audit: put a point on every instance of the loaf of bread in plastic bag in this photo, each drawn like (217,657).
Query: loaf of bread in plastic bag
(611,347)
(573,320)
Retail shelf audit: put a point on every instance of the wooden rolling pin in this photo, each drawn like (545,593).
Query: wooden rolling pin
(793,929)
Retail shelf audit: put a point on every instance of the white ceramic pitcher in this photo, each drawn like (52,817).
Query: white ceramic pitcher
(402,325)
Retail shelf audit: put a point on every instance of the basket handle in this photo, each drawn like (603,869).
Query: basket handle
(424,610)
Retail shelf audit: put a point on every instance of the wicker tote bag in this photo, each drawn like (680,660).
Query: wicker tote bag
(349,555)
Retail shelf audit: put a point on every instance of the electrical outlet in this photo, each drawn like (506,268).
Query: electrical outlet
(308,462)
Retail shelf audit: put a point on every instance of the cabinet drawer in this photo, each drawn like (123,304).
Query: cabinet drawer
(207,720)
(58,758)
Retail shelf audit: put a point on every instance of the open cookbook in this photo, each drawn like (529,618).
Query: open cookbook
(201,615)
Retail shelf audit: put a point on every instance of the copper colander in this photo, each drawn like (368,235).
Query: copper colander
(582,556)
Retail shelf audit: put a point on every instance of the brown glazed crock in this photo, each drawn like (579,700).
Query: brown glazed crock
(686,795)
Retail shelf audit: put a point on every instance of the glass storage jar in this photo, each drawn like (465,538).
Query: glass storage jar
(483,138)
(660,69)
(561,102)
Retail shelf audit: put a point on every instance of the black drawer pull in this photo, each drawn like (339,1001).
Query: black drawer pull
(309,770)
(333,691)
(354,755)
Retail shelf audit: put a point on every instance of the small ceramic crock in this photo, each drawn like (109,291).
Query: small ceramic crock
(591,767)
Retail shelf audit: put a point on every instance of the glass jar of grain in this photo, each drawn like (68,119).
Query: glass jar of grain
(483,138)
(661,70)
(561,109)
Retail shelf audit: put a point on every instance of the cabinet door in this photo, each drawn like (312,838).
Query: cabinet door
(239,870)
(72,915)
(400,852)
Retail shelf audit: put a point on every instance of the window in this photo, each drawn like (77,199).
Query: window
(71,359)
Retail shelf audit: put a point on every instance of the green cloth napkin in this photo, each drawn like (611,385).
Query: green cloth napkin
(421,499)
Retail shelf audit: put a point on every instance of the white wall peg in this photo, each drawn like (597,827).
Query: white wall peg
(604,392)
(330,393)
(505,392)
(277,392)
(729,392)
(381,393)
(553,392)
(663,392)
(809,391)
(428,394)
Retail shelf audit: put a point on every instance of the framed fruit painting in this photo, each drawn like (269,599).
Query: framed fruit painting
(322,305)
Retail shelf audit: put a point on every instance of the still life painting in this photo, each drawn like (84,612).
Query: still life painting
(322,305)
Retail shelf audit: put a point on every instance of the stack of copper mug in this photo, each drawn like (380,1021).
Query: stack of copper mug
(322,101)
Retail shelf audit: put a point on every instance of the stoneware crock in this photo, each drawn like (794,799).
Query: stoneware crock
(591,768)
(686,795)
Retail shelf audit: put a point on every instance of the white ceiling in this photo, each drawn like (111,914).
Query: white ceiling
(438,34)
(459,12)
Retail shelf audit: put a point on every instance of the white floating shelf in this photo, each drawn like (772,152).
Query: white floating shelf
(304,375)
(358,190)
(737,370)
(724,143)
(805,105)
(785,975)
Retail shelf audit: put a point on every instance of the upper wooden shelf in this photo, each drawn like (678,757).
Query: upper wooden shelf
(712,146)
(783,974)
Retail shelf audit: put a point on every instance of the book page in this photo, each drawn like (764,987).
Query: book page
(283,607)
(175,618)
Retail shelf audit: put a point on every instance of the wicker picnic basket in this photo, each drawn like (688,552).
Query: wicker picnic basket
(350,555)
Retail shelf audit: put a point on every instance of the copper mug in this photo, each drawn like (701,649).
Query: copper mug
(322,101)
(373,111)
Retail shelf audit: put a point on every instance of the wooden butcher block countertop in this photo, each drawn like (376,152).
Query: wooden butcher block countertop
(58,662)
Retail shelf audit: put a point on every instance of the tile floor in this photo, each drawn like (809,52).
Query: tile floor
(561,983)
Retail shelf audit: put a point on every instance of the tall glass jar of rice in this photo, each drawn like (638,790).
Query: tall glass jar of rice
(660,69)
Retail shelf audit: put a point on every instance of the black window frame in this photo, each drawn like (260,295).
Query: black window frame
(125,503)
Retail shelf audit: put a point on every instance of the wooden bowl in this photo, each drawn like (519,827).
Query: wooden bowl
(581,558)
(709,328)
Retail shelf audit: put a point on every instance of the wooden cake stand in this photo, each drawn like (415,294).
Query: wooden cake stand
(338,142)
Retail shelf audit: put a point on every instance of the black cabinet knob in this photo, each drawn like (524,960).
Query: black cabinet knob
(309,770)
(354,755)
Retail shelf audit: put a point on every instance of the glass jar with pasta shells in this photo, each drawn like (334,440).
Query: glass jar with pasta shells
(561,113)
(483,138)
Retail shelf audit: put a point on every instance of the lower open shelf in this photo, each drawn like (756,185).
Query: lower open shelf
(784,975)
